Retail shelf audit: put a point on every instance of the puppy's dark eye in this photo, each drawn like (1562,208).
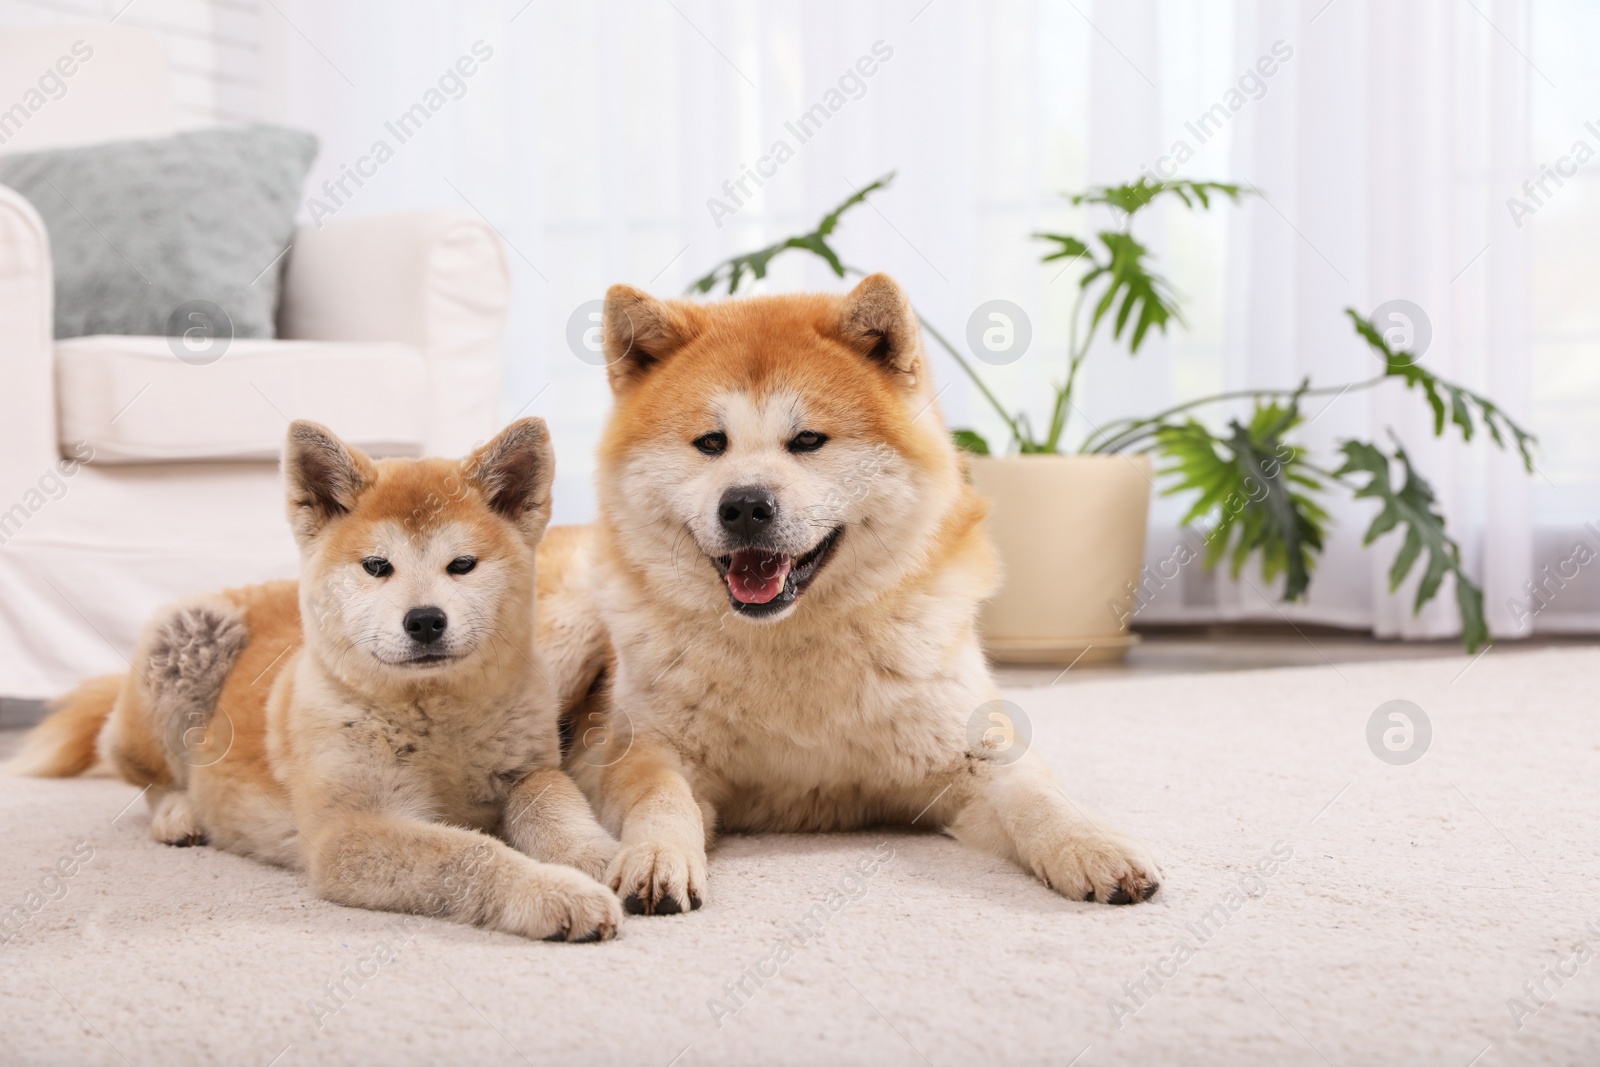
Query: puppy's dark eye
(462,564)
(377,566)
(712,444)
(807,441)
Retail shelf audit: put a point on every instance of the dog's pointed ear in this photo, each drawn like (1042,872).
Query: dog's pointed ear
(638,332)
(514,472)
(878,321)
(325,477)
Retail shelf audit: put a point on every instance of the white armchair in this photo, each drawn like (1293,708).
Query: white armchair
(128,476)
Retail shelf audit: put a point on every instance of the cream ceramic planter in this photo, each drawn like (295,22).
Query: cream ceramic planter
(1070,530)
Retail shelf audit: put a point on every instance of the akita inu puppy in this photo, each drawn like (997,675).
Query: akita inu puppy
(779,598)
(374,724)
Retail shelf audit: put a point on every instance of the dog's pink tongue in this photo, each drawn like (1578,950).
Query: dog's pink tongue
(756,576)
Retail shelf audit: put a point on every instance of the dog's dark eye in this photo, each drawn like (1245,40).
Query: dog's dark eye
(377,566)
(462,564)
(712,444)
(807,441)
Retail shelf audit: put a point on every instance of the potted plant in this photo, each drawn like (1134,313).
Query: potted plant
(1070,526)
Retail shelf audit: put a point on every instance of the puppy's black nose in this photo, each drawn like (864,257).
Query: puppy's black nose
(747,511)
(426,625)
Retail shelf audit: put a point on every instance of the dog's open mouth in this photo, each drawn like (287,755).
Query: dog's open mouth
(762,582)
(430,659)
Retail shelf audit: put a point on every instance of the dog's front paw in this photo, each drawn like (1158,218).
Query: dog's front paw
(658,878)
(1100,865)
(173,822)
(562,904)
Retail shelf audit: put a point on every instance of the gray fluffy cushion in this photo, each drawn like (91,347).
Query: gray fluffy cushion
(140,228)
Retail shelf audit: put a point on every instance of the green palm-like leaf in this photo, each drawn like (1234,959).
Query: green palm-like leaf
(1411,505)
(1449,401)
(1070,247)
(1130,198)
(1258,486)
(732,271)
(1138,288)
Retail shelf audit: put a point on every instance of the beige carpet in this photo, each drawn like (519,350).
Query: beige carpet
(1417,903)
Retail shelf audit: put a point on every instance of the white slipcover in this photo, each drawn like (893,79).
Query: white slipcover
(391,332)
(127,400)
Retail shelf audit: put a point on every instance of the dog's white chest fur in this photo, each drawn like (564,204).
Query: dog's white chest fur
(824,727)
(452,759)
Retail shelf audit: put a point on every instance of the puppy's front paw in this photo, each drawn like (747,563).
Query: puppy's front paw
(658,878)
(562,904)
(1100,865)
(174,823)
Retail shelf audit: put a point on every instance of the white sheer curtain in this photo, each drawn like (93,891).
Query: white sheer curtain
(1376,154)
(1383,143)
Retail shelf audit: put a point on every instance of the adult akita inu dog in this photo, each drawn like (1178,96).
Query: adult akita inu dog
(376,723)
(779,600)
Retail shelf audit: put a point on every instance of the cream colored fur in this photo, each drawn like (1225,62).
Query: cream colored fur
(303,726)
(855,705)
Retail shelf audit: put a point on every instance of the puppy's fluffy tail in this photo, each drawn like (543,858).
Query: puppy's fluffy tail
(64,744)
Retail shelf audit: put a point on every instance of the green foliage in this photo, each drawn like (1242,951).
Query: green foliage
(970,441)
(1258,486)
(1127,276)
(1139,287)
(1131,198)
(1071,247)
(1443,395)
(1411,504)
(1124,266)
(731,271)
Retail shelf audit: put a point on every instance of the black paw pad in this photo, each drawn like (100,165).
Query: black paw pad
(1088,898)
(633,904)
(694,902)
(592,935)
(1120,895)
(189,841)
(668,905)
(559,935)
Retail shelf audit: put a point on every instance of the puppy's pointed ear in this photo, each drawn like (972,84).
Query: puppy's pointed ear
(325,477)
(514,472)
(638,332)
(877,320)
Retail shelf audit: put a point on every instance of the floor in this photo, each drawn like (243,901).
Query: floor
(1327,898)
(1209,649)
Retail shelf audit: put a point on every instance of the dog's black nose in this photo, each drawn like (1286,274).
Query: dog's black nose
(426,625)
(747,511)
